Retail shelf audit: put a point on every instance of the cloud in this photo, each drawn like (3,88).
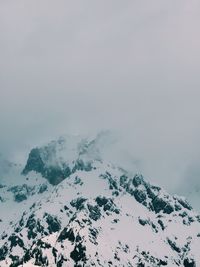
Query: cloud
(86,66)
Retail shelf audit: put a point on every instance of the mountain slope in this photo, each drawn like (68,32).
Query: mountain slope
(96,216)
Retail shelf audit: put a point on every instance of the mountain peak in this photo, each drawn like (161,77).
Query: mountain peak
(89,212)
(59,159)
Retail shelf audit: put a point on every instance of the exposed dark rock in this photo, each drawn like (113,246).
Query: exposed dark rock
(123,180)
(34,162)
(153,191)
(110,206)
(163,263)
(112,182)
(140,264)
(27,256)
(66,208)
(93,235)
(78,203)
(1,199)
(19,197)
(198,218)
(66,234)
(107,204)
(159,204)
(183,214)
(15,240)
(154,227)
(42,189)
(3,252)
(168,209)
(40,259)
(54,224)
(94,212)
(138,180)
(54,253)
(80,165)
(78,254)
(174,246)
(177,207)
(60,261)
(143,221)
(42,244)
(189,263)
(140,195)
(78,180)
(101,201)
(16,261)
(34,227)
(184,203)
(53,173)
(21,192)
(161,224)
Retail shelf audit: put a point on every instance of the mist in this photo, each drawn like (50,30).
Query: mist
(82,67)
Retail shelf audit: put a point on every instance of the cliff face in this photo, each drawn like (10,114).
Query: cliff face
(59,159)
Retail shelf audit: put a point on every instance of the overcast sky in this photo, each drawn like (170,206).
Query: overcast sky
(82,66)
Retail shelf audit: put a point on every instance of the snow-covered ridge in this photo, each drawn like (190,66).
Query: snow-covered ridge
(98,215)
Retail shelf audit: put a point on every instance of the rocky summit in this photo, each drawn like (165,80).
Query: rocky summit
(68,206)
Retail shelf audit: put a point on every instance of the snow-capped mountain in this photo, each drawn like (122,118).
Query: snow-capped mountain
(68,206)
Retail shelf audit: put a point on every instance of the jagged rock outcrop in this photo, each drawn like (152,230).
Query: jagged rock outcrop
(49,163)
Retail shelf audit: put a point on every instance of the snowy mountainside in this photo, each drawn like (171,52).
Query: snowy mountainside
(95,215)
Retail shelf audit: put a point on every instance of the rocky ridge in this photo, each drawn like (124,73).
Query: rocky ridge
(95,215)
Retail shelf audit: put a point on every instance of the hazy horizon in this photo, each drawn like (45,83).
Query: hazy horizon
(83,67)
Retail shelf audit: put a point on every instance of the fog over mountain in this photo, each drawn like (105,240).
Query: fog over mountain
(71,205)
(80,67)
